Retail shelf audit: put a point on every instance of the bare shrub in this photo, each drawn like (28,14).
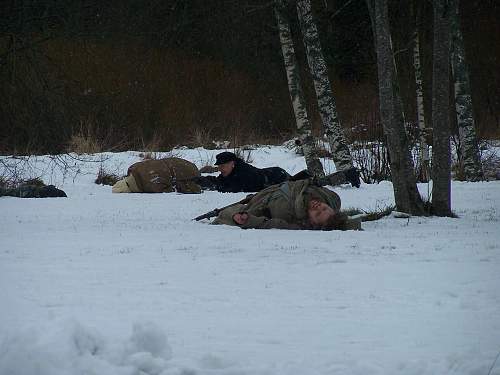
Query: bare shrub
(457,163)
(369,152)
(372,159)
(16,170)
(106,178)
(244,154)
(414,134)
(490,159)
(207,163)
(13,184)
(37,181)
(368,149)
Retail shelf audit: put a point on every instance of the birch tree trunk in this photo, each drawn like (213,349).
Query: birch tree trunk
(404,183)
(326,101)
(441,155)
(423,172)
(471,159)
(306,139)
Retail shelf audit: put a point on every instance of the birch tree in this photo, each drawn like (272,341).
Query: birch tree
(326,100)
(406,194)
(306,139)
(469,150)
(423,170)
(441,155)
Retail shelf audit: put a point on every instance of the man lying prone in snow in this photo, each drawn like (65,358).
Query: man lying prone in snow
(236,175)
(180,175)
(289,205)
(160,176)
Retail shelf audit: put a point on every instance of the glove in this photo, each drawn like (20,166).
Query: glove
(352,176)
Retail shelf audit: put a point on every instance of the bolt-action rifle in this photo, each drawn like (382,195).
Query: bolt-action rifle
(216,211)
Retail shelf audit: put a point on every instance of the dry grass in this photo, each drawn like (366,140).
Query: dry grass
(89,140)
(244,154)
(83,144)
(201,137)
(106,178)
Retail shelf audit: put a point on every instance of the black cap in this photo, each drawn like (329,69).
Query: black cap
(224,157)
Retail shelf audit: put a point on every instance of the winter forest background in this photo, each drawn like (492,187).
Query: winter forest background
(127,284)
(129,74)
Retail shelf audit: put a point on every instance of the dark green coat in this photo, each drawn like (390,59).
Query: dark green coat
(282,206)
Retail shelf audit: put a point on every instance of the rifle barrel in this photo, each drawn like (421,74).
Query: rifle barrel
(208,215)
(216,211)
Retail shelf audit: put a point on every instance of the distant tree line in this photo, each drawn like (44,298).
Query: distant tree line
(133,73)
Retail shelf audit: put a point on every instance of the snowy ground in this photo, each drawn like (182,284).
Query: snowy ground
(128,284)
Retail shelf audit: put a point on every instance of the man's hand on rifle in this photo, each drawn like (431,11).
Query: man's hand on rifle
(240,218)
(216,211)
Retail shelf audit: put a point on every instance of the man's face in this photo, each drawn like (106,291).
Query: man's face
(319,212)
(226,168)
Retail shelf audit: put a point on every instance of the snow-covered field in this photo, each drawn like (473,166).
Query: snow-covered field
(111,284)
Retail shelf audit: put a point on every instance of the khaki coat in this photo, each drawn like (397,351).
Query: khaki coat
(282,206)
(160,176)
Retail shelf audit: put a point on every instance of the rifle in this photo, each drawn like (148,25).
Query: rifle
(216,211)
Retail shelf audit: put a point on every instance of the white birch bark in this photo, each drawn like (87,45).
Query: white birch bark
(306,139)
(423,172)
(326,100)
(469,149)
